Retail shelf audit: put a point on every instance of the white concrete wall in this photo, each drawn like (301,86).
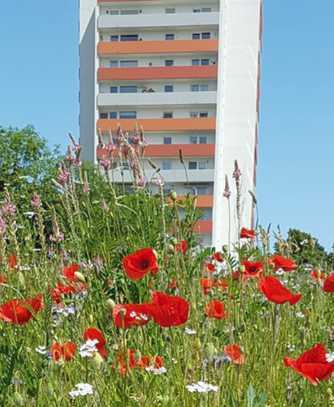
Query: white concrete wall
(158,86)
(162,20)
(236,112)
(145,61)
(177,138)
(160,9)
(157,113)
(151,35)
(88,80)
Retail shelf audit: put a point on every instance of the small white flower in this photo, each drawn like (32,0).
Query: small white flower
(41,350)
(155,370)
(189,331)
(29,215)
(280,272)
(81,389)
(88,349)
(330,357)
(300,315)
(201,387)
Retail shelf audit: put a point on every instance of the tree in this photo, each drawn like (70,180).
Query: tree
(26,162)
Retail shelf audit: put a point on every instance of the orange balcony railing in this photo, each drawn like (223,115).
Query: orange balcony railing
(164,125)
(157,47)
(154,73)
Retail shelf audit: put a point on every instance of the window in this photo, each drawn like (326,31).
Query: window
(192,165)
(129,37)
(193,139)
(169,62)
(206,9)
(194,115)
(113,12)
(196,10)
(199,88)
(128,89)
(204,88)
(203,114)
(167,115)
(205,61)
(206,214)
(113,64)
(129,12)
(195,62)
(113,89)
(167,140)
(203,140)
(201,190)
(112,115)
(206,36)
(170,10)
(196,36)
(169,37)
(128,63)
(128,115)
(169,88)
(195,88)
(114,38)
(202,165)
(103,115)
(166,165)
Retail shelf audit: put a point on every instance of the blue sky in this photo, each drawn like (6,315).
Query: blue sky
(39,86)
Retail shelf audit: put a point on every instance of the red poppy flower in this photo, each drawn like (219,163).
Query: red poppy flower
(234,353)
(280,262)
(3,279)
(317,275)
(207,284)
(169,310)
(158,362)
(328,286)
(252,269)
(66,289)
(276,292)
(247,233)
(215,309)
(221,284)
(143,361)
(218,256)
(210,267)
(21,311)
(128,315)
(12,261)
(94,333)
(312,364)
(136,265)
(181,247)
(172,285)
(69,272)
(66,351)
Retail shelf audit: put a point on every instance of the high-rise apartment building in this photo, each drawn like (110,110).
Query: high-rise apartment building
(188,72)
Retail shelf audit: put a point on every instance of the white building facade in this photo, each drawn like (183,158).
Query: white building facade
(188,72)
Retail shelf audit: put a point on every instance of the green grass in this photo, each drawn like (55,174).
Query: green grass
(100,228)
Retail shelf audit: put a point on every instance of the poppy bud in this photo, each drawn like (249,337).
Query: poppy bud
(18,399)
(21,278)
(211,350)
(173,241)
(97,359)
(80,276)
(91,318)
(111,304)
(242,268)
(171,248)
(173,195)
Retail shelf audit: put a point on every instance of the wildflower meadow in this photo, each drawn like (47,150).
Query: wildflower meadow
(108,299)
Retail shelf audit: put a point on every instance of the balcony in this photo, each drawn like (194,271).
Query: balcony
(172,150)
(171,176)
(156,73)
(157,125)
(203,227)
(173,99)
(159,21)
(106,49)
(202,201)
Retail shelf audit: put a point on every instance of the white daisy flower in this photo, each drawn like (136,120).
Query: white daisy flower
(155,370)
(201,387)
(81,389)
(88,349)
(189,331)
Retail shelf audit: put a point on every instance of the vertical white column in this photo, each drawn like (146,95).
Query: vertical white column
(88,78)
(237,116)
